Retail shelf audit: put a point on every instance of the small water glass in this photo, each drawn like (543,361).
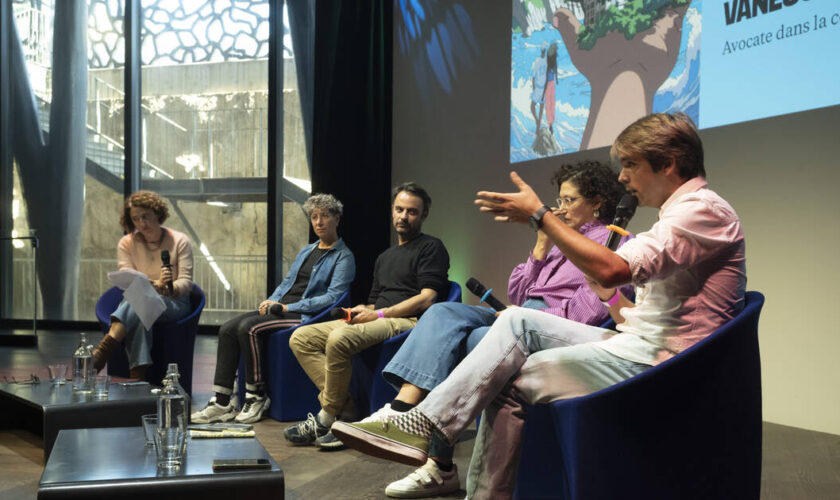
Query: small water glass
(170,446)
(100,386)
(150,428)
(58,373)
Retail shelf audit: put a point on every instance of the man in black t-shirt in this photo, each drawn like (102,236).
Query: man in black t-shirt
(407,279)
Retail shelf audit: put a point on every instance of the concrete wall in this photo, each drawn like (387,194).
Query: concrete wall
(233,95)
(780,174)
(199,78)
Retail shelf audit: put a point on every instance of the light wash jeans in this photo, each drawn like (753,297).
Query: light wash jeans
(445,333)
(138,340)
(527,357)
(436,344)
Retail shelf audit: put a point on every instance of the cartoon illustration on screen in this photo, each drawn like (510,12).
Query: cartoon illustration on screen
(582,70)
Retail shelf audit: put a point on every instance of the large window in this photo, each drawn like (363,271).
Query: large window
(103,148)
(205,99)
(104,151)
(204,143)
(34,28)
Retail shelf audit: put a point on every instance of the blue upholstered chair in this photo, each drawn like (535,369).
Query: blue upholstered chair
(292,393)
(689,428)
(369,389)
(171,342)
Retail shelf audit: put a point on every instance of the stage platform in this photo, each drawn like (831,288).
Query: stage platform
(17,338)
(797,464)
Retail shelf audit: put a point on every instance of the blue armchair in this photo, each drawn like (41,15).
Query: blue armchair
(171,342)
(292,393)
(689,428)
(370,390)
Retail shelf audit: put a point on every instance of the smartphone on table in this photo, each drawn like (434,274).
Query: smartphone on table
(227,464)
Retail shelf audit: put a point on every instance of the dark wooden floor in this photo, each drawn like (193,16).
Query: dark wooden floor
(797,464)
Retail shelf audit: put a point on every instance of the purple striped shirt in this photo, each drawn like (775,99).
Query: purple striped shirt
(560,284)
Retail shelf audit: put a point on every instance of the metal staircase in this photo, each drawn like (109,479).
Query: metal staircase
(105,163)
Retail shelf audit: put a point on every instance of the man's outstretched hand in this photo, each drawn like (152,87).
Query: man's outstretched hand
(510,207)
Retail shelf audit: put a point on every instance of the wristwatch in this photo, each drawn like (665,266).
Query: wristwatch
(536,220)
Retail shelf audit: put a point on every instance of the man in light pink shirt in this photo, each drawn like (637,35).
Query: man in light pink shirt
(689,272)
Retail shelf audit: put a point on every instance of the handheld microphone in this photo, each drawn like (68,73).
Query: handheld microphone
(164,257)
(337,313)
(623,213)
(486,296)
(341,313)
(276,309)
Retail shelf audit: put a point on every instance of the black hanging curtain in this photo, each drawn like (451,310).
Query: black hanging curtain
(302,26)
(349,124)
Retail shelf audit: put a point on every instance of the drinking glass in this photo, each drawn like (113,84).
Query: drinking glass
(100,386)
(150,428)
(58,373)
(169,445)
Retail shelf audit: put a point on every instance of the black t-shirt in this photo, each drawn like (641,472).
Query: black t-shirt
(295,293)
(403,270)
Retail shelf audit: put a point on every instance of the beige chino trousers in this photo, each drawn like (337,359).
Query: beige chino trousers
(324,350)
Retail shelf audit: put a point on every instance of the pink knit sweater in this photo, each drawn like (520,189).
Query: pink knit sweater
(132,253)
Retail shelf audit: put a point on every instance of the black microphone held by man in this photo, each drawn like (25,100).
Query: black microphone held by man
(624,211)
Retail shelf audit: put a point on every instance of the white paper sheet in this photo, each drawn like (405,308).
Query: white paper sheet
(140,295)
(123,279)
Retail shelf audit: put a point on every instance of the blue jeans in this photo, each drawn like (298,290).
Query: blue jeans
(445,333)
(436,344)
(138,340)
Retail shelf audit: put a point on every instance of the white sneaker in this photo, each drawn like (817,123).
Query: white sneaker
(214,412)
(253,409)
(429,480)
(381,415)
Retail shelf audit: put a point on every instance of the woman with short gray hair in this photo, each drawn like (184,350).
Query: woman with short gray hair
(322,201)
(320,274)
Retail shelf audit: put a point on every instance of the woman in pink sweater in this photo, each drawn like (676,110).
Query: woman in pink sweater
(140,249)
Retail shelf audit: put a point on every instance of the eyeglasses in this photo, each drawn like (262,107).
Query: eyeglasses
(566,201)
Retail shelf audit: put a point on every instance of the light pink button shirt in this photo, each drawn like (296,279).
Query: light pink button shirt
(690,275)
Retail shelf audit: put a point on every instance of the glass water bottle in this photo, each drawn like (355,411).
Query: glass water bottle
(172,422)
(83,372)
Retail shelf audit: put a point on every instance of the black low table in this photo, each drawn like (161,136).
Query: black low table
(44,409)
(115,463)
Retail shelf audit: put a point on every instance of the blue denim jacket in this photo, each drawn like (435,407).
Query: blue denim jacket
(330,277)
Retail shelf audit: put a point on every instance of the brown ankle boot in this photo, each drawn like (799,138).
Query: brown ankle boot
(138,372)
(103,351)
